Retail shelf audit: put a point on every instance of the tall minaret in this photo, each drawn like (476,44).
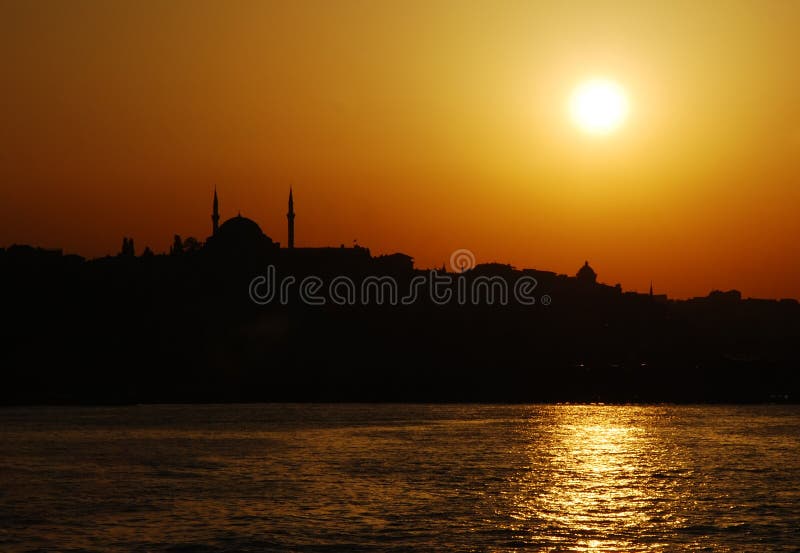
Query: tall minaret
(215,214)
(290,219)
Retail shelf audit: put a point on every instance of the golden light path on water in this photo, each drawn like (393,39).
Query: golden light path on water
(586,480)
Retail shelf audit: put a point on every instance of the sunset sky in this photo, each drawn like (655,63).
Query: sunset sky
(421,127)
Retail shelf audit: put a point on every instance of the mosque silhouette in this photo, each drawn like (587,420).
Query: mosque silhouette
(241,238)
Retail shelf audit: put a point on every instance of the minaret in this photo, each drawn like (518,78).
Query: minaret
(215,215)
(290,219)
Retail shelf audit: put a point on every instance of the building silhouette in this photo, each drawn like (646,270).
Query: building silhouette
(586,274)
(242,239)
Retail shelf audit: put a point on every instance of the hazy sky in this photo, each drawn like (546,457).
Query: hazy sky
(417,127)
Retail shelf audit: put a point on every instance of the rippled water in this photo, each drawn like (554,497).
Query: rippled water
(398,478)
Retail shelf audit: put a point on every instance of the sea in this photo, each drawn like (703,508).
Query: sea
(394,477)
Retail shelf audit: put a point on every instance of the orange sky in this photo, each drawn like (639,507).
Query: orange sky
(421,127)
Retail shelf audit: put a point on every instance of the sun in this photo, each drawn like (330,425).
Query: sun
(599,106)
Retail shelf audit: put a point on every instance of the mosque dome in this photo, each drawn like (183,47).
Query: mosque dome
(241,229)
(240,234)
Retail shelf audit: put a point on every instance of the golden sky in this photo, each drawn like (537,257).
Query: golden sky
(420,127)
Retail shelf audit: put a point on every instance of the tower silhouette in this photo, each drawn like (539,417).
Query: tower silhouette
(215,214)
(290,219)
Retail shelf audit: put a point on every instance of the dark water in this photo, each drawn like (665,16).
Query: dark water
(397,478)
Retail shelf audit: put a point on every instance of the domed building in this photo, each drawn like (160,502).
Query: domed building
(238,236)
(240,242)
(586,274)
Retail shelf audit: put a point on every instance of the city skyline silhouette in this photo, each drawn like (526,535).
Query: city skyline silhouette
(240,231)
(230,318)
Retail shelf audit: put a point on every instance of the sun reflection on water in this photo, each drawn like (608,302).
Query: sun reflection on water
(591,490)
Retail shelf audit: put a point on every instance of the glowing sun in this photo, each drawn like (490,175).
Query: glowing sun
(599,106)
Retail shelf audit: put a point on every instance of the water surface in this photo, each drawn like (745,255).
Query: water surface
(400,477)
